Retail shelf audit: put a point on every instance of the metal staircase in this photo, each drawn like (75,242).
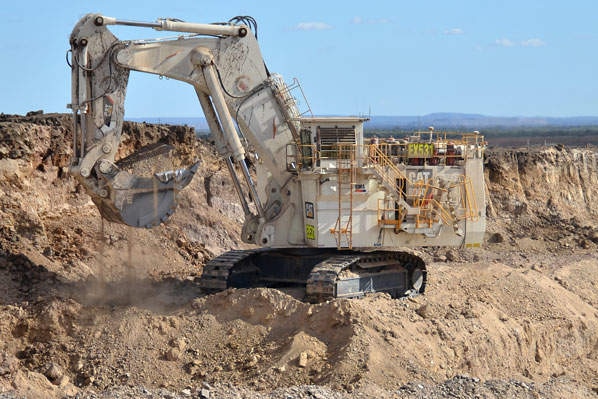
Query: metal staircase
(418,207)
(388,173)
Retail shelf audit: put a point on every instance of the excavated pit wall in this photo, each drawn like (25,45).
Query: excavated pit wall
(543,187)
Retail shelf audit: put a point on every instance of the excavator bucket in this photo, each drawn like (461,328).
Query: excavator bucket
(144,201)
(127,196)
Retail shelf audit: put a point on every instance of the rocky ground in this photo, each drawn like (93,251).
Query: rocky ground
(90,309)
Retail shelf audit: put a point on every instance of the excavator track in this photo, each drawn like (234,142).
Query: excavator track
(218,272)
(326,274)
(347,276)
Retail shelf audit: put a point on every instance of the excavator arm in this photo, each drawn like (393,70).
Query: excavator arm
(246,109)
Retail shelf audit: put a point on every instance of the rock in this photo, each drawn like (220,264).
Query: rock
(452,255)
(194,368)
(252,362)
(63,381)
(54,373)
(496,238)
(172,354)
(174,323)
(204,393)
(179,343)
(8,364)
(423,312)
(303,359)
(281,369)
(163,327)
(230,366)
(9,169)
(69,390)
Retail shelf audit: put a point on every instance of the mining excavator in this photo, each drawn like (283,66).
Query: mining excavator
(324,206)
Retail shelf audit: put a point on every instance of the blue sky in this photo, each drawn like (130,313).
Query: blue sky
(499,58)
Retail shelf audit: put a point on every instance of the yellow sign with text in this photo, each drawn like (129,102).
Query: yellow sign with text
(310,232)
(420,150)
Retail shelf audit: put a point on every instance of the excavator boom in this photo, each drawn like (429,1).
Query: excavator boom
(100,70)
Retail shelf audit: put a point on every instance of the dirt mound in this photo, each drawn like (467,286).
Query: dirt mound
(98,310)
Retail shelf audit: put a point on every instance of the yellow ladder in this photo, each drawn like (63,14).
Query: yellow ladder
(345,168)
(468,199)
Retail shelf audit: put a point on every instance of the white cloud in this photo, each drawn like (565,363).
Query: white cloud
(504,42)
(312,26)
(454,31)
(534,42)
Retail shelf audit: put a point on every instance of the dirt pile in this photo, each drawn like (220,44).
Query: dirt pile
(99,310)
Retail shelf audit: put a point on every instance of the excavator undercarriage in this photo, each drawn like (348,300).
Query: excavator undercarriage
(325,273)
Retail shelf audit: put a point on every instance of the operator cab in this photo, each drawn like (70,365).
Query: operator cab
(325,142)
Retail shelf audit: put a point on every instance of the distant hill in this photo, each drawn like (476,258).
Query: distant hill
(459,121)
(446,121)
